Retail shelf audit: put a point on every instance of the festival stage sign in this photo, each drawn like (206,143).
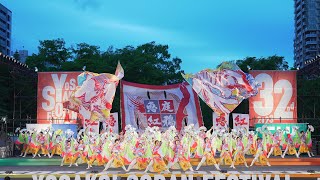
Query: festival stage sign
(240,121)
(276,101)
(111,123)
(54,88)
(163,106)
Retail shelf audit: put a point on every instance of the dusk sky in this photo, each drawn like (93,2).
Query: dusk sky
(202,33)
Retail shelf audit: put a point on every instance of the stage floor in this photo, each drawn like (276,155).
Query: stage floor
(26,167)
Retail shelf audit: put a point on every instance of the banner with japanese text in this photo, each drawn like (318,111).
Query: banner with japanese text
(276,101)
(240,121)
(163,106)
(220,121)
(112,123)
(54,88)
(92,126)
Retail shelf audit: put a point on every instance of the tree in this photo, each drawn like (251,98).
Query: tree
(52,54)
(268,63)
(86,51)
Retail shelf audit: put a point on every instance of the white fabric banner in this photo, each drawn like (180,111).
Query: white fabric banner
(221,121)
(112,123)
(92,125)
(240,120)
(38,127)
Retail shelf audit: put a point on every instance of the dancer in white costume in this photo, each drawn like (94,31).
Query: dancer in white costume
(208,155)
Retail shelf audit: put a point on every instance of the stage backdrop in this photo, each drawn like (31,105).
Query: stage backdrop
(163,106)
(287,127)
(44,127)
(277,97)
(53,89)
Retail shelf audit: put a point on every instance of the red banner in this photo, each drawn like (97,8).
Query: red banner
(54,88)
(276,101)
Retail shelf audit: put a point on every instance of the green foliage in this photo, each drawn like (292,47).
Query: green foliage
(268,63)
(148,63)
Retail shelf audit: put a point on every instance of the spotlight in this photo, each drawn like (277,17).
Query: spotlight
(4,119)
(84,68)
(35,69)
(249,68)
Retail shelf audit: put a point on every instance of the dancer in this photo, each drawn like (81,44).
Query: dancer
(140,159)
(238,156)
(80,155)
(56,146)
(116,158)
(275,147)
(260,155)
(156,161)
(179,157)
(21,142)
(67,153)
(42,145)
(309,139)
(250,146)
(290,149)
(208,155)
(303,146)
(226,154)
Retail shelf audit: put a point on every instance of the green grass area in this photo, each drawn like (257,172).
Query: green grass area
(29,162)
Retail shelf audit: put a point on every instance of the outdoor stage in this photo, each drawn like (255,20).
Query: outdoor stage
(24,168)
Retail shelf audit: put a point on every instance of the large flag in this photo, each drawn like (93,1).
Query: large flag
(240,121)
(223,89)
(53,89)
(220,121)
(163,106)
(276,101)
(94,95)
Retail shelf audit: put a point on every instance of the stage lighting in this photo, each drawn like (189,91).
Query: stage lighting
(4,119)
(84,68)
(8,172)
(35,69)
(249,68)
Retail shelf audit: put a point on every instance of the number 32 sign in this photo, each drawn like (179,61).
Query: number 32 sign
(277,97)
